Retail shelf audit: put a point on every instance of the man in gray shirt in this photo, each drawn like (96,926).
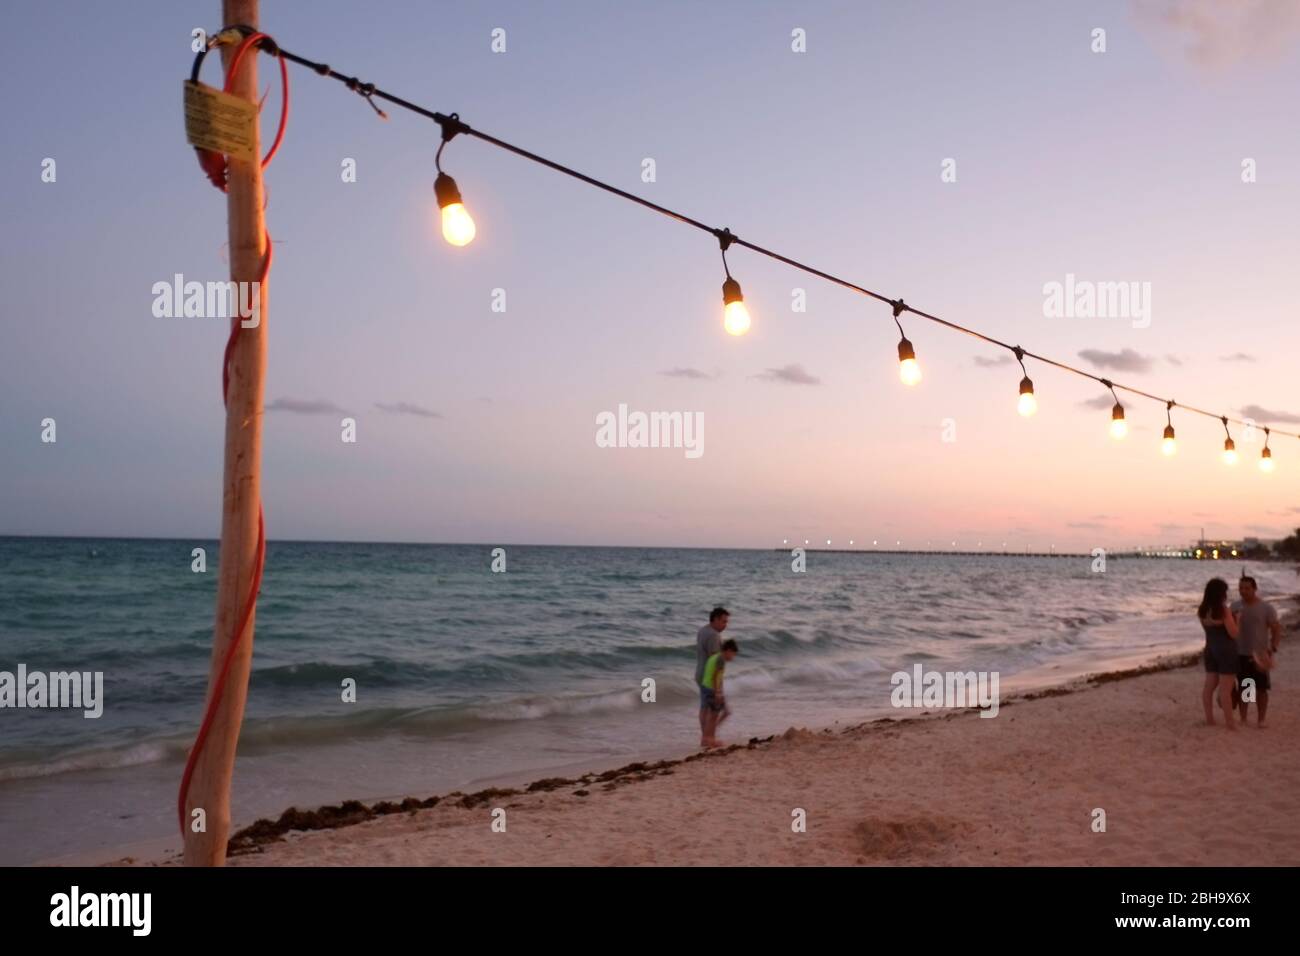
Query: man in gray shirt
(1259,632)
(708,641)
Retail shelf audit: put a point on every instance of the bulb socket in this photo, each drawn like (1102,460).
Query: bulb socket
(1169,432)
(905,351)
(731,292)
(444,187)
(1268,452)
(1229,445)
(1117,413)
(1026,386)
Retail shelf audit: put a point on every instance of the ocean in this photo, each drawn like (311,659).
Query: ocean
(466,677)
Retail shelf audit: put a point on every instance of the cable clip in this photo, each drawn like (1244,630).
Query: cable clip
(451,125)
(365,90)
(225,37)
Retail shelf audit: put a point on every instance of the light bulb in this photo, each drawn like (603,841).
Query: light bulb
(909,371)
(1118,427)
(1266,461)
(1168,446)
(1028,404)
(1229,452)
(735,317)
(457,226)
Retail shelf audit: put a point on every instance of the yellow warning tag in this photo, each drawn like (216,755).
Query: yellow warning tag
(219,121)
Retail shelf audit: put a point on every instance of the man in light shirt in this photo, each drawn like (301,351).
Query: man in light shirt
(1259,633)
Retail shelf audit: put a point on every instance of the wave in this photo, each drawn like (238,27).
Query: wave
(275,734)
(134,755)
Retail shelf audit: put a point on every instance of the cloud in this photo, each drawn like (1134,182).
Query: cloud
(406,408)
(1123,361)
(1261,414)
(793,374)
(1214,35)
(1174,360)
(1237,357)
(1104,402)
(984,362)
(1085,525)
(692,373)
(299,406)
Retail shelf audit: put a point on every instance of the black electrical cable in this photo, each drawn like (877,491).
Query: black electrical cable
(452,125)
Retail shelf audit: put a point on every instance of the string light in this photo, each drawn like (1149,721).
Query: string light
(459,229)
(1118,427)
(1266,457)
(457,225)
(1168,446)
(909,372)
(1028,404)
(735,316)
(1229,447)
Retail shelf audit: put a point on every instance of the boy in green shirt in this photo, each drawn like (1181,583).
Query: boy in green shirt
(713,703)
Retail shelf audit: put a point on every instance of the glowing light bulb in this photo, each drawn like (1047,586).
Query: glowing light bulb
(457,226)
(1229,452)
(1266,460)
(1168,446)
(735,317)
(909,371)
(1028,404)
(1118,427)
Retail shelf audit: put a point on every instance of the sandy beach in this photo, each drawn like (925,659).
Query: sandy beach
(940,788)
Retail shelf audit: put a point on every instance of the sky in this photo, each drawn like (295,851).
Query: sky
(475,425)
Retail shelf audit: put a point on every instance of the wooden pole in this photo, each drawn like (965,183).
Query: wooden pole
(241,491)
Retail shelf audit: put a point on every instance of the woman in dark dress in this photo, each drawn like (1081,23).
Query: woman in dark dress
(1220,650)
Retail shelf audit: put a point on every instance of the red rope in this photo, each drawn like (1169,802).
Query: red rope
(245,617)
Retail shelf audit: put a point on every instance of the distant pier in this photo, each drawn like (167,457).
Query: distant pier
(1166,553)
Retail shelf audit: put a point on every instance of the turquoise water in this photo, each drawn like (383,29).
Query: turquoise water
(465,676)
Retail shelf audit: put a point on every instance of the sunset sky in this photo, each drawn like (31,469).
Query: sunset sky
(1122,166)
